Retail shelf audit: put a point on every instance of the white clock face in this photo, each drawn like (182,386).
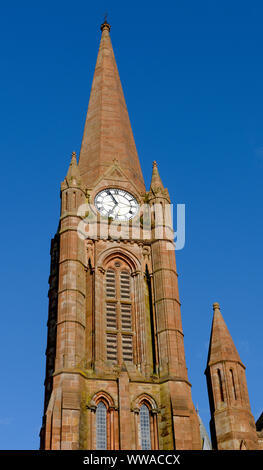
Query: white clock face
(116,203)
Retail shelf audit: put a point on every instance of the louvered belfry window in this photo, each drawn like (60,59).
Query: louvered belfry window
(118,311)
(110,283)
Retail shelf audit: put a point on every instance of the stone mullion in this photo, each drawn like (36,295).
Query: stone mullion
(141,320)
(111,420)
(118,317)
(93,429)
(133,322)
(136,412)
(152,431)
(100,322)
(90,328)
(225,383)
(89,428)
(116,430)
(142,316)
(155,339)
(155,429)
(108,429)
(240,388)
(234,368)
(135,310)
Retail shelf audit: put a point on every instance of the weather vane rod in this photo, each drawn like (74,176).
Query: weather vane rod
(106,17)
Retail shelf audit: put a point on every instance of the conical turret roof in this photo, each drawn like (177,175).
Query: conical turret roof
(222,347)
(73,174)
(156,182)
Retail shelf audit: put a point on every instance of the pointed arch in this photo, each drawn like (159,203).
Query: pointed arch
(145,408)
(104,422)
(147,399)
(106,256)
(105,397)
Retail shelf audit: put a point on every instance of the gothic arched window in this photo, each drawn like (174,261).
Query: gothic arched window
(145,428)
(233,383)
(119,318)
(220,385)
(103,422)
(101,426)
(146,422)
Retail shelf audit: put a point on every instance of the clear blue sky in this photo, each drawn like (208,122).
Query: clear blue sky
(192,74)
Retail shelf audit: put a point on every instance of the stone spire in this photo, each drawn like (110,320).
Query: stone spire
(107,133)
(156,182)
(73,174)
(157,190)
(221,346)
(206,443)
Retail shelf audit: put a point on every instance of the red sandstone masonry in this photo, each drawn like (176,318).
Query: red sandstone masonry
(83,376)
(232,423)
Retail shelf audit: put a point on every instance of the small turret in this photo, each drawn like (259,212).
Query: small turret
(232,424)
(157,190)
(72,191)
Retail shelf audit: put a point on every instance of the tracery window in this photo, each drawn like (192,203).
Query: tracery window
(101,426)
(103,421)
(119,315)
(145,428)
(146,422)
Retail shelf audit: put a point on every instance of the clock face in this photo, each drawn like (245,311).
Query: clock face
(116,203)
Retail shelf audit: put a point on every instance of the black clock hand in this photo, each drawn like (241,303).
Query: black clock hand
(111,210)
(112,197)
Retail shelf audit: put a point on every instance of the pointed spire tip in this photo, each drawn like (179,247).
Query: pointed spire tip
(105,24)
(216,306)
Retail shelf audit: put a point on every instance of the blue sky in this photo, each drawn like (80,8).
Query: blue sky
(192,75)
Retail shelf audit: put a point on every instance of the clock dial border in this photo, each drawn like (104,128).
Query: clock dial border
(116,203)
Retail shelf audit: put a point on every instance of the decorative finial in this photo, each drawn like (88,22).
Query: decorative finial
(154,164)
(105,25)
(216,306)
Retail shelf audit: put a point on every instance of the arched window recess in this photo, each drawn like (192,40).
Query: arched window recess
(146,423)
(104,421)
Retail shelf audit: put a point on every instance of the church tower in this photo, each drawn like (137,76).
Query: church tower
(116,375)
(232,424)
